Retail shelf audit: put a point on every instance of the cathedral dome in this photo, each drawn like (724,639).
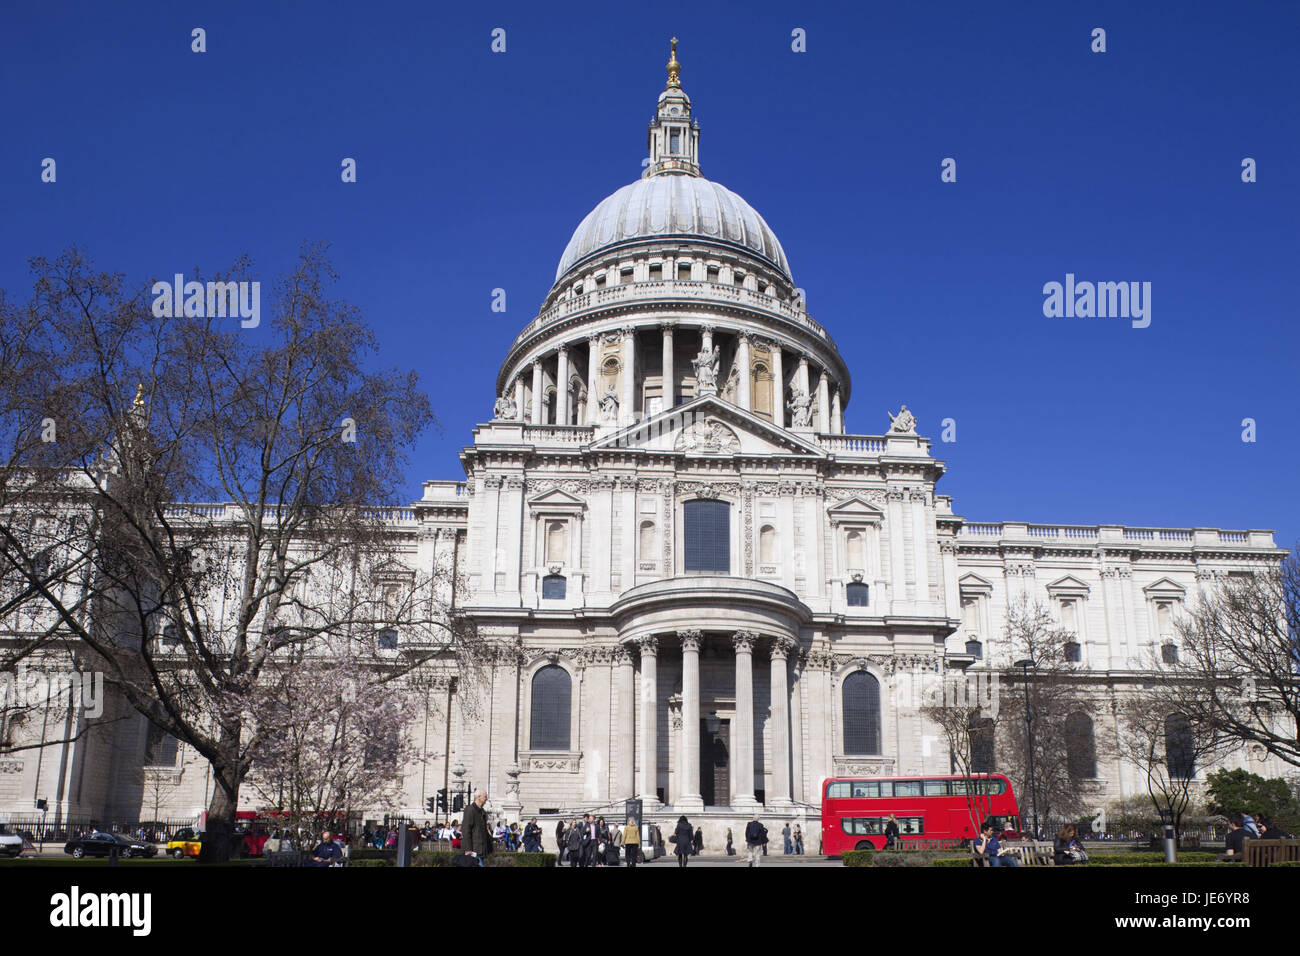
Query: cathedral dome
(674,206)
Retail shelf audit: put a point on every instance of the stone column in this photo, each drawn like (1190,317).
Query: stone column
(593,370)
(537,392)
(778,387)
(823,403)
(562,387)
(894,528)
(649,647)
(837,414)
(742,380)
(519,397)
(706,334)
(780,793)
(626,401)
(801,375)
(625,691)
(742,737)
(670,390)
(690,798)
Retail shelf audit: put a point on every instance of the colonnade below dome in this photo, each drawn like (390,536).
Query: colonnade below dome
(619,377)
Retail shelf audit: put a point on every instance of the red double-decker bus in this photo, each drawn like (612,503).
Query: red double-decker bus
(855,810)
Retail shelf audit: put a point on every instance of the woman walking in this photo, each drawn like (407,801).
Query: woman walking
(631,842)
(699,841)
(684,837)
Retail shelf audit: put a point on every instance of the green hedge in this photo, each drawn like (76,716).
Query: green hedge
(370,853)
(354,862)
(1127,859)
(856,857)
(907,858)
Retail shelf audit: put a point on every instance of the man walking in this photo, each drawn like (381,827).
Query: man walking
(590,838)
(785,835)
(755,838)
(476,838)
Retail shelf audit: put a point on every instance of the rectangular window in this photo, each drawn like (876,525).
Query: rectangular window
(674,141)
(866,788)
(837,790)
(553,587)
(907,788)
(656,271)
(683,271)
(936,788)
(708,536)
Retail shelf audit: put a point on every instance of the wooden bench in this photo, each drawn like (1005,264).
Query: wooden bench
(278,858)
(1026,853)
(1265,852)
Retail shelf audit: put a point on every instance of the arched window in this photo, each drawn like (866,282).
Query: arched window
(647,540)
(1080,747)
(861,699)
(554,587)
(854,550)
(981,745)
(708,535)
(1180,753)
(552,690)
(975,649)
(767,545)
(857,594)
(557,541)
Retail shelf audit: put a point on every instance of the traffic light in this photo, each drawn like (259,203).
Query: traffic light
(429,805)
(442,801)
(458,803)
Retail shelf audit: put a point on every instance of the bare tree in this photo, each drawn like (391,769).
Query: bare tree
(1054,693)
(1239,659)
(228,509)
(1166,745)
(968,728)
(341,739)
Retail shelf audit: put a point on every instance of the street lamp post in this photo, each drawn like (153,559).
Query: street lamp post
(1024,666)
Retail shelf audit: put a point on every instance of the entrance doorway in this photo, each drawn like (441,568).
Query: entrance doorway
(715,763)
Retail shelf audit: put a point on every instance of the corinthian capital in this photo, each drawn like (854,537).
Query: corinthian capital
(781,647)
(743,641)
(691,639)
(648,646)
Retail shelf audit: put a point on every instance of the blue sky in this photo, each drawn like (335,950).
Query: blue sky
(474,168)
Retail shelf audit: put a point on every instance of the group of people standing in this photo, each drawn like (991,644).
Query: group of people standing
(588,842)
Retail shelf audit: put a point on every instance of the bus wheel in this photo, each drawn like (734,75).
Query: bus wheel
(865,845)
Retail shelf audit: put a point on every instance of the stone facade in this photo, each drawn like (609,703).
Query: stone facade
(674,362)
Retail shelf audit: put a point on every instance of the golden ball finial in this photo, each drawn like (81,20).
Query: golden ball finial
(139,395)
(674,68)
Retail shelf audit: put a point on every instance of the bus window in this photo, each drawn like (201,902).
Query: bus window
(907,788)
(936,788)
(838,789)
(911,826)
(866,788)
(862,826)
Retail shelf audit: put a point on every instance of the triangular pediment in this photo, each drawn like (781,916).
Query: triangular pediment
(1165,587)
(972,583)
(555,498)
(1068,585)
(709,427)
(856,508)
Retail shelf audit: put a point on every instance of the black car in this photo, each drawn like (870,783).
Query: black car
(102,844)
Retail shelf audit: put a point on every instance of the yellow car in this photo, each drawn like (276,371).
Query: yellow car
(184,843)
